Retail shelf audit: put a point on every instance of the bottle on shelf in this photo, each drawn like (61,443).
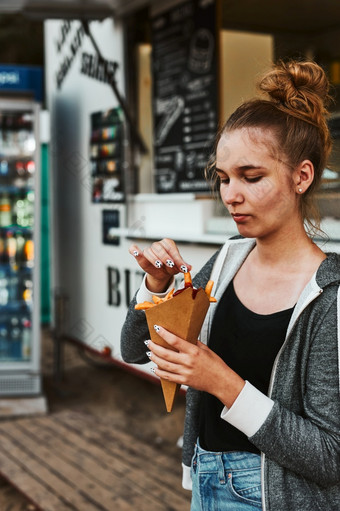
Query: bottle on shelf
(27,293)
(15,338)
(30,166)
(13,287)
(4,294)
(4,341)
(26,338)
(29,253)
(20,256)
(20,168)
(2,247)
(4,168)
(5,211)
(23,210)
(11,249)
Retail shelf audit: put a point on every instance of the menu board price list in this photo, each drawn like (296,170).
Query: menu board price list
(185,95)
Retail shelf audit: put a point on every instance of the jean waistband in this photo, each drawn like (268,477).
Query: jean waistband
(231,460)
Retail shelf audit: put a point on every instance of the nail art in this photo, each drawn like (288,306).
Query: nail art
(170,263)
(152,369)
(158,264)
(157,328)
(148,354)
(147,342)
(184,269)
(135,253)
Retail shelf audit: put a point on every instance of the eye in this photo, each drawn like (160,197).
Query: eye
(223,180)
(253,179)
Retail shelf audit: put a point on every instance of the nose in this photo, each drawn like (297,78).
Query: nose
(232,193)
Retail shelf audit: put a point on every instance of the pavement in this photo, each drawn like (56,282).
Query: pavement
(117,397)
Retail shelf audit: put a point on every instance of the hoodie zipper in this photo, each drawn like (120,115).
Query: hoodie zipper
(271,382)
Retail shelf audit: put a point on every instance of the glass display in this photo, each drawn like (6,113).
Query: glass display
(106,153)
(17,167)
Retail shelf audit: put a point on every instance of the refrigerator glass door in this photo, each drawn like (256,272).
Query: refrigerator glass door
(19,164)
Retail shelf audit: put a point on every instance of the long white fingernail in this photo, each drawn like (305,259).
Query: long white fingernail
(148,354)
(170,263)
(135,253)
(147,342)
(184,269)
(157,328)
(158,263)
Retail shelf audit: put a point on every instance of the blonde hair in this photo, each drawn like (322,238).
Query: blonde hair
(295,112)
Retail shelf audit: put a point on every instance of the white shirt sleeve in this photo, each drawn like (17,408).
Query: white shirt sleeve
(249,411)
(186,477)
(144,295)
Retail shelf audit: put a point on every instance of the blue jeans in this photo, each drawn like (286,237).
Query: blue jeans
(225,481)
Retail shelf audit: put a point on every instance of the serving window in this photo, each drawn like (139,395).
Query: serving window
(249,39)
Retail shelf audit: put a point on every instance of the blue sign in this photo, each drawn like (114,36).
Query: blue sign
(22,79)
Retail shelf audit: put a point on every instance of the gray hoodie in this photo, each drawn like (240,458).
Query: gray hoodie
(297,426)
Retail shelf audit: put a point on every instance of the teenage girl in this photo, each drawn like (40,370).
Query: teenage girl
(262,428)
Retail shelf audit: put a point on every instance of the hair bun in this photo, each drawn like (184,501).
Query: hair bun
(301,87)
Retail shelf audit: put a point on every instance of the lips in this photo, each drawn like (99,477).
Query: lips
(236,215)
(239,217)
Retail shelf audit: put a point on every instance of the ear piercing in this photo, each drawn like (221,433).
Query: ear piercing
(300,190)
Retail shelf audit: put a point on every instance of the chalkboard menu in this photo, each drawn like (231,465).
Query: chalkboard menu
(185,91)
(106,153)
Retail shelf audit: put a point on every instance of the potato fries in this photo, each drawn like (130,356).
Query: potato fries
(156,300)
(208,289)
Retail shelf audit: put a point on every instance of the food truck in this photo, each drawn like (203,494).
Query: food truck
(135,100)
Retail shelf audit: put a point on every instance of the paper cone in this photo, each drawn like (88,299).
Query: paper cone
(183,315)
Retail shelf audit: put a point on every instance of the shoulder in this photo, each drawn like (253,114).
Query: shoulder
(329,270)
(232,250)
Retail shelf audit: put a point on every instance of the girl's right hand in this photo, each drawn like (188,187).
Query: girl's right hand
(160,262)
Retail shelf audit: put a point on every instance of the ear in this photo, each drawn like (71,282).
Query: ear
(304,175)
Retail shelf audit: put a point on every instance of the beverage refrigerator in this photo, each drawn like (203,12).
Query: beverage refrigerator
(19,242)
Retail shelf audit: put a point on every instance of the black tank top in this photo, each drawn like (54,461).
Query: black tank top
(248,343)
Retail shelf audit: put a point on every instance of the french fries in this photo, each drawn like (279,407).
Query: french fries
(156,300)
(187,279)
(208,289)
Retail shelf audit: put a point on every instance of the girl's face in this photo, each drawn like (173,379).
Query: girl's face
(256,187)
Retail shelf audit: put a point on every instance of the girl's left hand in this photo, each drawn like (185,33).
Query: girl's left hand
(196,366)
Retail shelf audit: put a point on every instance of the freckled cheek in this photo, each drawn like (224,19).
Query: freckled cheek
(278,204)
(267,194)
(262,191)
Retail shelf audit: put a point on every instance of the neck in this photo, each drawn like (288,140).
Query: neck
(287,247)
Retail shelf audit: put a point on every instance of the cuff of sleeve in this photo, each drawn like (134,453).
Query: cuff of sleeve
(249,411)
(144,295)
(186,477)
